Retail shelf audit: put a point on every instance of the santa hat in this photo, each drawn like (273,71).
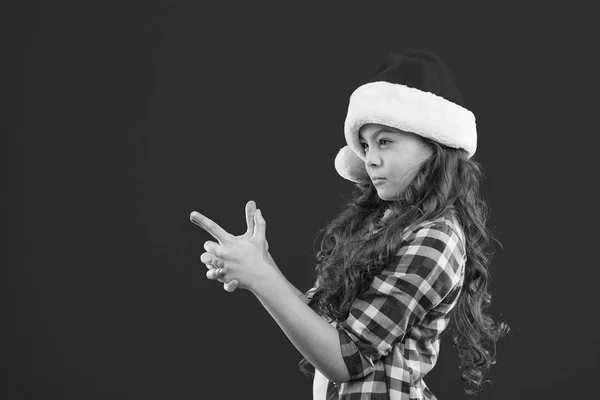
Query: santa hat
(414,92)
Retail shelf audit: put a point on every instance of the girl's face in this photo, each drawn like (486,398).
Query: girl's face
(394,155)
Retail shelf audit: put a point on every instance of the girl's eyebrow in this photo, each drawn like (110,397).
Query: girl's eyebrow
(377,133)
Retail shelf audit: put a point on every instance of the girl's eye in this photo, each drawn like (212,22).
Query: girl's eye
(380,140)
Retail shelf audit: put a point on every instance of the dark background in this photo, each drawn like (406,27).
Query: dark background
(131,115)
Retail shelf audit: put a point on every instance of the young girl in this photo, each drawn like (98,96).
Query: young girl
(405,259)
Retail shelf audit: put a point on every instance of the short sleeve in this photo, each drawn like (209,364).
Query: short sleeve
(429,266)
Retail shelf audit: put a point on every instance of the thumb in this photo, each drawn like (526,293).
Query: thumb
(261,225)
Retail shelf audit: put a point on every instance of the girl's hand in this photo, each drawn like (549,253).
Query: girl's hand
(244,258)
(213,263)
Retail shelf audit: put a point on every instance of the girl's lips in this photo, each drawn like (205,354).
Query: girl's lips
(376,181)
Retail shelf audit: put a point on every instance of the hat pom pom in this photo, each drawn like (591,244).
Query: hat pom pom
(350,166)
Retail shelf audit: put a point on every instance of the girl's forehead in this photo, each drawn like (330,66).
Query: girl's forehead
(369,130)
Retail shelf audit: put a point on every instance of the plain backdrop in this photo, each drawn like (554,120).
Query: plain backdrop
(124,117)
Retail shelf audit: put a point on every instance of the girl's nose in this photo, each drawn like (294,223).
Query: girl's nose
(372,158)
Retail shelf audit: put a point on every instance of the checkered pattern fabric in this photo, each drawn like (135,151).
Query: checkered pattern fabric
(391,337)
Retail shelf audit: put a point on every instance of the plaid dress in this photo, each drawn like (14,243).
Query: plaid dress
(391,338)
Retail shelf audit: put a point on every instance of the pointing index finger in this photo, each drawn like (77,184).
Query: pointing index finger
(209,226)
(250,210)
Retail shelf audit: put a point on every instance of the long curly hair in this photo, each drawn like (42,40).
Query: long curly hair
(349,258)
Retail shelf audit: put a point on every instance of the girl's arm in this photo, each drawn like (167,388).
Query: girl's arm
(314,337)
(301,295)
